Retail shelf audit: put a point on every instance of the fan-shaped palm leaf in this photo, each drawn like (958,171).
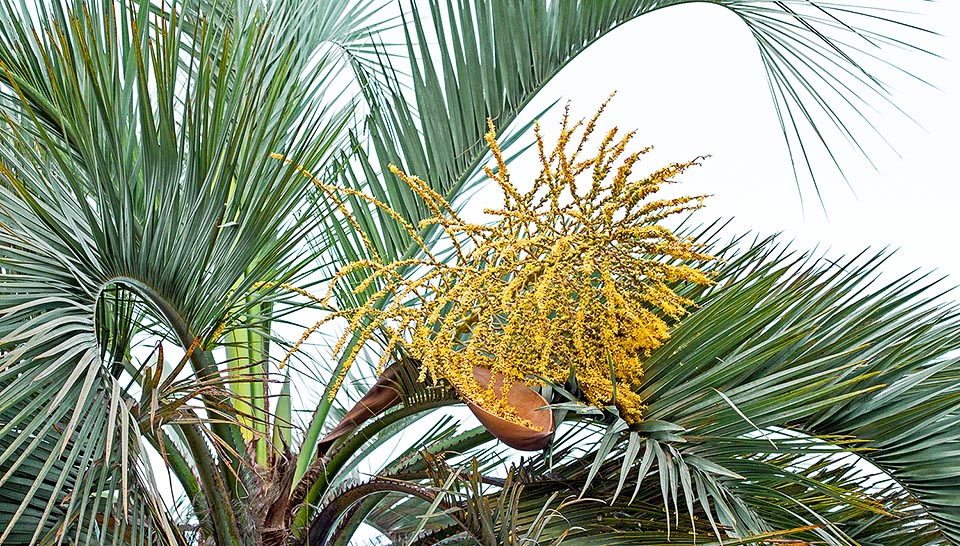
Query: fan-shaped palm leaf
(136,160)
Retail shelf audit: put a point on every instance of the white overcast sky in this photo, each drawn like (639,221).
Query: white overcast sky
(690,79)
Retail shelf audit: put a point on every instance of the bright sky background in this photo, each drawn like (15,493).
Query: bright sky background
(689,78)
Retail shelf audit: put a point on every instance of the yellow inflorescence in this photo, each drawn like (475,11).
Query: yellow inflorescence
(575,274)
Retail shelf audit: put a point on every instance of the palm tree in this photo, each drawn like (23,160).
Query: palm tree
(155,245)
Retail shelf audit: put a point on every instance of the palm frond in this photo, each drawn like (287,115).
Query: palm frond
(137,171)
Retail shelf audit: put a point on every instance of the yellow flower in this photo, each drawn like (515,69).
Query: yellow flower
(567,277)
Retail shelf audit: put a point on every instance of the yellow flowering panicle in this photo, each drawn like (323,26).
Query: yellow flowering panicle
(574,273)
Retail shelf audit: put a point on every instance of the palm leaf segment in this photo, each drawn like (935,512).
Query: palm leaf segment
(825,350)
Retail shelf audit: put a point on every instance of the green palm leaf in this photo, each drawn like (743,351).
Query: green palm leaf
(137,165)
(794,345)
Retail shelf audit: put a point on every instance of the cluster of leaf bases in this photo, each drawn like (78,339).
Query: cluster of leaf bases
(573,276)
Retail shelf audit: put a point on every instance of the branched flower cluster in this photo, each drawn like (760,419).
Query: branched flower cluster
(574,274)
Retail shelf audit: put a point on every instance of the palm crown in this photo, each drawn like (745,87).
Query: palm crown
(145,201)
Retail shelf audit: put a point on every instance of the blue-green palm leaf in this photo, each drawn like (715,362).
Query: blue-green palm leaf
(139,195)
(464,62)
